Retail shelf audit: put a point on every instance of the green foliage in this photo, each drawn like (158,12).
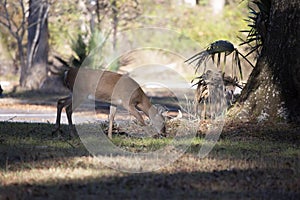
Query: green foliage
(80,51)
(64,21)
(194,22)
(199,24)
(88,53)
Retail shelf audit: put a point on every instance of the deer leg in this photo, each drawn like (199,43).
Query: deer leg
(112,113)
(61,103)
(69,111)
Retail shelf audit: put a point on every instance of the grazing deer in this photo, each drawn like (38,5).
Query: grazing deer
(110,87)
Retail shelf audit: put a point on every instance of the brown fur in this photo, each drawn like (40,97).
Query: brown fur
(110,87)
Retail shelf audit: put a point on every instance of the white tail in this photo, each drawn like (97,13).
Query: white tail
(111,87)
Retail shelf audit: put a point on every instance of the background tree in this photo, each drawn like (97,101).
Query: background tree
(118,13)
(13,19)
(273,89)
(101,22)
(37,47)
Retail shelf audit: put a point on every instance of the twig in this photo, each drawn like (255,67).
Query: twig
(10,119)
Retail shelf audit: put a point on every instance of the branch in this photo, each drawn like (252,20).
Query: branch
(22,26)
(6,15)
(7,19)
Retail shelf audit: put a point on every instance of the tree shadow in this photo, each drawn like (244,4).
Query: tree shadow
(35,97)
(224,184)
(22,143)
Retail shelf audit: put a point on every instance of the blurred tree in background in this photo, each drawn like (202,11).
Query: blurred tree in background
(14,18)
(69,19)
(13,24)
(35,71)
(105,17)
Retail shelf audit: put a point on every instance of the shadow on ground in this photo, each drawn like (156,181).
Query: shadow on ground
(233,184)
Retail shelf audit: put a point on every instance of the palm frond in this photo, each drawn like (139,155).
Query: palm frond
(257,21)
(79,48)
(220,46)
(201,57)
(239,64)
(219,59)
(214,52)
(255,48)
(246,59)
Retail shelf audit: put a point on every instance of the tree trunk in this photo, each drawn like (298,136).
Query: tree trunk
(273,89)
(115,23)
(37,48)
(22,60)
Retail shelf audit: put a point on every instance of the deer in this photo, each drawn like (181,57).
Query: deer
(111,87)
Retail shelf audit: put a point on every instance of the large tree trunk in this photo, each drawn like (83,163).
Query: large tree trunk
(273,89)
(37,48)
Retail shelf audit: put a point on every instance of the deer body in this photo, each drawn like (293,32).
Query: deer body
(111,87)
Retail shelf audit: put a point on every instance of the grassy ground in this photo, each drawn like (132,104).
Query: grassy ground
(248,162)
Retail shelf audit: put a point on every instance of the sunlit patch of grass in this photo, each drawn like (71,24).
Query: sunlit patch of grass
(291,151)
(140,144)
(56,171)
(255,149)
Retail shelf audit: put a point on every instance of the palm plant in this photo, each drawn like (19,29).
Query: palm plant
(258,21)
(79,49)
(216,49)
(90,52)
